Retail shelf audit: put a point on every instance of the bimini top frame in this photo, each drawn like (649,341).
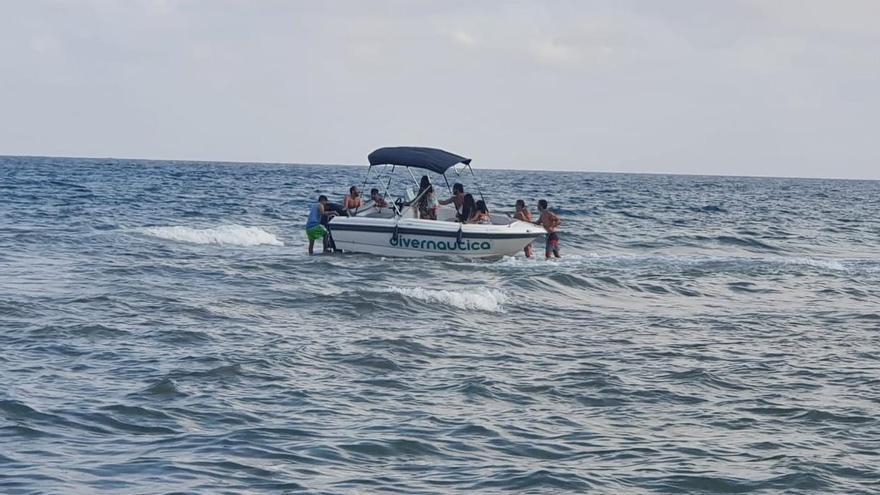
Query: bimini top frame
(431,159)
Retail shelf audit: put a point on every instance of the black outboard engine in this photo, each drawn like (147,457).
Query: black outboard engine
(325,220)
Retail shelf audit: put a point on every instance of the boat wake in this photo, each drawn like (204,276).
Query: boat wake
(224,235)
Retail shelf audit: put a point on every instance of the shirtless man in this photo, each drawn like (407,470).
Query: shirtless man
(353,199)
(550,221)
(378,201)
(457,197)
(524,215)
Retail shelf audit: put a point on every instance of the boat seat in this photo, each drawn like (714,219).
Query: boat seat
(377,213)
(446,213)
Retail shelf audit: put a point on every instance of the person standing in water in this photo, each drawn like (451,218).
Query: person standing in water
(314,229)
(550,221)
(524,215)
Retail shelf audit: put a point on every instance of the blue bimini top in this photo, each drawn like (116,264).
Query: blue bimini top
(433,159)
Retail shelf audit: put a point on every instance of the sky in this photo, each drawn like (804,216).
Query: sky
(739,87)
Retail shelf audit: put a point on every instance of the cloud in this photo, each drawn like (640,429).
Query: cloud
(463,38)
(844,17)
(750,87)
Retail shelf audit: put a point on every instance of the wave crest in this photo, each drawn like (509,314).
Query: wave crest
(224,235)
(480,299)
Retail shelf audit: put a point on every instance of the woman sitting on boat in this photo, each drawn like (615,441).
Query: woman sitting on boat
(428,205)
(481,214)
(422,197)
(468,207)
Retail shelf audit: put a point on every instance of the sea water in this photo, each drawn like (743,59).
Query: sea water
(162,329)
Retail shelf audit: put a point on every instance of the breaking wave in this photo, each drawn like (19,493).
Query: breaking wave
(480,299)
(226,235)
(828,264)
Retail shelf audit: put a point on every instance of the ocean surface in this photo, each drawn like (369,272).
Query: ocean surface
(162,329)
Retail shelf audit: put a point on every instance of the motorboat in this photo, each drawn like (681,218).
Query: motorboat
(397,229)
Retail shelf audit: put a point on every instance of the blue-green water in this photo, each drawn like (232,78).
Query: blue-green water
(163,330)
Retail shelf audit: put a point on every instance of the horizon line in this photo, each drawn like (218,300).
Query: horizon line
(238,162)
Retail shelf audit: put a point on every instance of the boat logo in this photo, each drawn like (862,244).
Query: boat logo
(432,245)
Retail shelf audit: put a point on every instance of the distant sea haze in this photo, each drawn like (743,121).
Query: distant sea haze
(164,330)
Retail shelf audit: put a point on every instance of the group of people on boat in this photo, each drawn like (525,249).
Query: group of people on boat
(426,204)
(467,209)
(353,200)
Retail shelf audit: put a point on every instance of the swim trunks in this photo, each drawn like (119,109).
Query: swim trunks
(552,241)
(316,232)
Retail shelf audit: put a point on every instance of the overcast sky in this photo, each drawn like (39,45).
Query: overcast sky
(746,87)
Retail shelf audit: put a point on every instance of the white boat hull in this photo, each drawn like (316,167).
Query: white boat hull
(408,237)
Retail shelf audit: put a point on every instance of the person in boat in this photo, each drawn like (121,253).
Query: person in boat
(314,228)
(457,198)
(352,200)
(422,198)
(550,221)
(481,214)
(378,201)
(524,215)
(433,203)
(428,205)
(468,206)
(424,183)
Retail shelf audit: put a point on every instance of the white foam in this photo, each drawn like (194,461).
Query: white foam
(594,258)
(480,299)
(827,264)
(226,235)
(540,261)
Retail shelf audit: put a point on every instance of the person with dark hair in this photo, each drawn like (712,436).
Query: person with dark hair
(457,198)
(428,207)
(314,228)
(352,200)
(524,215)
(550,221)
(481,214)
(468,206)
(424,183)
(425,189)
(378,201)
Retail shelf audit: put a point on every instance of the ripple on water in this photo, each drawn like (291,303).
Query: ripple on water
(536,480)
(371,362)
(164,331)
(399,447)
(166,387)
